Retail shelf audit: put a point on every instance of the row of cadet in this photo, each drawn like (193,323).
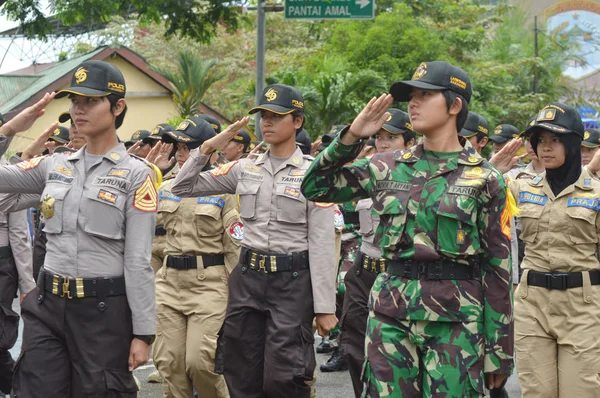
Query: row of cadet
(230,281)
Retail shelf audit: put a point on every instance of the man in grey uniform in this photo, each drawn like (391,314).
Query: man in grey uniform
(90,320)
(284,276)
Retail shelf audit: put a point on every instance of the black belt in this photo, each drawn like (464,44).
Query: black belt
(434,270)
(191,262)
(270,263)
(159,230)
(5,252)
(351,217)
(560,280)
(81,287)
(370,264)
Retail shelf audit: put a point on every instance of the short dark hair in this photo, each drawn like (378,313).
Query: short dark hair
(409,135)
(461,118)
(113,99)
(296,114)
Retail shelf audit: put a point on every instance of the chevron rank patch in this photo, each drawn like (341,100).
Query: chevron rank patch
(145,197)
(31,163)
(223,170)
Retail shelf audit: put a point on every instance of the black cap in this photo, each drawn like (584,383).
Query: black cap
(280,99)
(504,132)
(559,119)
(436,75)
(398,122)
(160,130)
(213,121)
(63,117)
(591,138)
(60,135)
(475,124)
(95,79)
(242,137)
(193,131)
(64,149)
(254,144)
(303,139)
(139,136)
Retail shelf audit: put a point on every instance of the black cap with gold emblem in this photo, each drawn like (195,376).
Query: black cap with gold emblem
(160,130)
(591,138)
(398,122)
(193,131)
(280,99)
(60,135)
(213,121)
(436,75)
(139,135)
(242,137)
(95,79)
(475,124)
(504,132)
(558,118)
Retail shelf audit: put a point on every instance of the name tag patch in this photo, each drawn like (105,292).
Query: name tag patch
(113,182)
(528,197)
(392,186)
(169,196)
(593,204)
(210,200)
(58,177)
(246,175)
(469,191)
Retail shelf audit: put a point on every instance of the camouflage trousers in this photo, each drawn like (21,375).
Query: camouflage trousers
(409,359)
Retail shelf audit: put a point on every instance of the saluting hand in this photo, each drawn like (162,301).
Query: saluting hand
(25,119)
(325,323)
(254,153)
(220,140)
(369,120)
(505,159)
(39,144)
(160,155)
(139,354)
(594,165)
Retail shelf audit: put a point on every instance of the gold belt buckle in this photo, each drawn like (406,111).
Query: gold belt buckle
(261,264)
(253,260)
(366,262)
(273,263)
(65,289)
(55,285)
(374,265)
(381,265)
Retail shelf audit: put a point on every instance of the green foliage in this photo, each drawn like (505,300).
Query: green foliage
(191,80)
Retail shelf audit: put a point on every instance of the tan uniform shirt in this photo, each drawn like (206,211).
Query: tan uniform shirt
(369,221)
(88,215)
(277,217)
(560,233)
(202,225)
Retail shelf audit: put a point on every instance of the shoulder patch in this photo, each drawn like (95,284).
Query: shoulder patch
(236,230)
(145,197)
(223,170)
(323,205)
(338,218)
(31,163)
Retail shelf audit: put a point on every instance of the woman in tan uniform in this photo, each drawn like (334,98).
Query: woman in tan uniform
(557,303)
(202,247)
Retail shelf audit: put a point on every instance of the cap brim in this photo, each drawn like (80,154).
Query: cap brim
(391,129)
(83,91)
(177,136)
(401,90)
(499,139)
(549,127)
(588,144)
(280,110)
(59,140)
(467,133)
(65,116)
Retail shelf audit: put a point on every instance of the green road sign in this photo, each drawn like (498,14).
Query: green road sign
(330,9)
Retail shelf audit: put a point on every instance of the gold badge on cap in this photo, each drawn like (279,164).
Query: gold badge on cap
(136,135)
(81,75)
(183,125)
(115,156)
(586,135)
(57,132)
(546,115)
(271,95)
(498,130)
(407,155)
(48,207)
(420,72)
(389,118)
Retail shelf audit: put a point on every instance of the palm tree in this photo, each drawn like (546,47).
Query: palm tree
(191,80)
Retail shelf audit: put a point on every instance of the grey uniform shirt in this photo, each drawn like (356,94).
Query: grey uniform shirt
(88,216)
(369,221)
(277,217)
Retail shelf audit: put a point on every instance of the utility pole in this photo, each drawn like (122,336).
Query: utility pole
(535,44)
(261,27)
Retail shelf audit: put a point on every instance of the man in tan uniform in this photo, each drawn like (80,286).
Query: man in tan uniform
(284,274)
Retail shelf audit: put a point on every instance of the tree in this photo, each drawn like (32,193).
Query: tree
(190,81)
(197,19)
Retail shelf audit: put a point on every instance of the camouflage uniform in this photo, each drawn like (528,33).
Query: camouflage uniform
(430,337)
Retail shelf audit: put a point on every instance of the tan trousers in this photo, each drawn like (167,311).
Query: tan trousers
(190,309)
(557,339)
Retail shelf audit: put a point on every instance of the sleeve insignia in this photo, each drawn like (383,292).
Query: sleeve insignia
(145,197)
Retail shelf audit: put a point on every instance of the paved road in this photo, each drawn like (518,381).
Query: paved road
(329,385)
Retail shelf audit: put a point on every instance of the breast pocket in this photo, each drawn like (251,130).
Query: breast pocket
(248,191)
(457,231)
(208,217)
(52,207)
(392,209)
(529,217)
(365,218)
(104,215)
(582,225)
(291,204)
(166,207)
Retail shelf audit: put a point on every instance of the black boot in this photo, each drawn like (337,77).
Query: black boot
(324,347)
(336,362)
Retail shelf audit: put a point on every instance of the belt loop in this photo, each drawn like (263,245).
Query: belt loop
(101,293)
(523,284)
(587,287)
(200,268)
(41,282)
